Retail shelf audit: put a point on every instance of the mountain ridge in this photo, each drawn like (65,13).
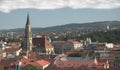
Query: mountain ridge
(72,26)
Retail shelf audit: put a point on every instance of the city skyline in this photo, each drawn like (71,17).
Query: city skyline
(13,16)
(59,35)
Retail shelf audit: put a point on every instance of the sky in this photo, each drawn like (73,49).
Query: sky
(46,13)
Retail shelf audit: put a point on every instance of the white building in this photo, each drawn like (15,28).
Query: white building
(10,52)
(109,45)
(77,44)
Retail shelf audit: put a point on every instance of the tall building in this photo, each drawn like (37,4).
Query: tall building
(27,43)
(41,45)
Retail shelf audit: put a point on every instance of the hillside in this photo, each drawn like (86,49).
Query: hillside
(73,26)
(112,36)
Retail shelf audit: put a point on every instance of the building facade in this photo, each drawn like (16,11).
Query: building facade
(42,45)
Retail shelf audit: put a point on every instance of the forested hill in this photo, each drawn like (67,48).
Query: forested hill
(73,26)
(103,36)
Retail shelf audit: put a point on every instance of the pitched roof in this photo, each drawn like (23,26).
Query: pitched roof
(65,42)
(63,55)
(6,63)
(32,62)
(75,42)
(14,45)
(43,62)
(10,49)
(74,63)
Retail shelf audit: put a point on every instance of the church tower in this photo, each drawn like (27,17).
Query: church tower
(28,36)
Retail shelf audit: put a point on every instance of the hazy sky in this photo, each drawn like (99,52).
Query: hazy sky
(45,13)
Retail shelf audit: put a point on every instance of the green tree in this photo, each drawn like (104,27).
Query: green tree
(109,36)
(31,67)
(77,54)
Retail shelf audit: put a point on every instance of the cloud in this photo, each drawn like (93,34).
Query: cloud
(9,5)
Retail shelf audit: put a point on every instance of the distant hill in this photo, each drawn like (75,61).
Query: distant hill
(112,36)
(73,26)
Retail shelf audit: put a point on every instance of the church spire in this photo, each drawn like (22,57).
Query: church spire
(28,32)
(28,36)
(28,21)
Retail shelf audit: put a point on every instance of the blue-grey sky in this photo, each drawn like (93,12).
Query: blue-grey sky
(15,17)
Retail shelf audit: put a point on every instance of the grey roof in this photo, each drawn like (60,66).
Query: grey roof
(75,58)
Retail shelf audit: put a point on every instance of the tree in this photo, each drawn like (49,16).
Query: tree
(31,67)
(112,36)
(77,54)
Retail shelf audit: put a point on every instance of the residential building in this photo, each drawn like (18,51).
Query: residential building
(109,45)
(64,46)
(78,62)
(10,52)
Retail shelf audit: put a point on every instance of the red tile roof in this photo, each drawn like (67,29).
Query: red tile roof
(1,58)
(63,55)
(6,63)
(79,63)
(74,63)
(100,47)
(33,62)
(75,42)
(66,42)
(10,49)
(15,44)
(43,62)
